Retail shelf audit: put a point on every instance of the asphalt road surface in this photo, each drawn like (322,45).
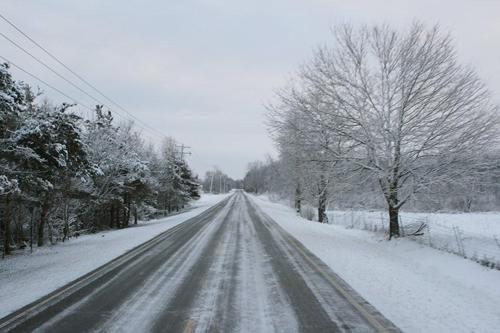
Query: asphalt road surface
(230,269)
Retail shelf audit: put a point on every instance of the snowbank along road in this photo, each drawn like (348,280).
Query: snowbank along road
(230,269)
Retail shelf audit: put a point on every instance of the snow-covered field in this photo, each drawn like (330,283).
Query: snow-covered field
(419,288)
(25,278)
(472,235)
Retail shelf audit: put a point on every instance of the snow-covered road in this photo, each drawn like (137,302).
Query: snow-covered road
(230,269)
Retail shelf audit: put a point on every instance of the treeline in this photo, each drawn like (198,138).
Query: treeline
(216,181)
(462,195)
(384,118)
(62,175)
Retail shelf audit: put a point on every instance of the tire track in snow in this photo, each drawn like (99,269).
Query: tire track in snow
(176,312)
(241,293)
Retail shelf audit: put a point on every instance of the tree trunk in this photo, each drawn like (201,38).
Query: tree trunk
(393,222)
(41,225)
(118,216)
(127,210)
(322,210)
(6,226)
(393,204)
(298,199)
(19,232)
(66,222)
(322,218)
(111,215)
(51,233)
(135,213)
(18,226)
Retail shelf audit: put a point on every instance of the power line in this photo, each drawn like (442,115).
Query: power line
(48,67)
(72,72)
(74,100)
(182,150)
(45,83)
(56,73)
(51,55)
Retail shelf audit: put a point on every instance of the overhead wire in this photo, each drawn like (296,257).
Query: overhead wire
(74,100)
(51,55)
(144,125)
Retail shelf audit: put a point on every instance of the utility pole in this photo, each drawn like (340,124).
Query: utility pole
(182,147)
(32,213)
(220,182)
(212,181)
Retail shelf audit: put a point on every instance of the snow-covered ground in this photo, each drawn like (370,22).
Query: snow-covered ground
(419,288)
(25,278)
(472,235)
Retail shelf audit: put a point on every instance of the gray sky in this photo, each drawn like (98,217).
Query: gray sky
(201,70)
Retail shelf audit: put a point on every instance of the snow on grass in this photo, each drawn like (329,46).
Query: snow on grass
(472,235)
(25,278)
(419,288)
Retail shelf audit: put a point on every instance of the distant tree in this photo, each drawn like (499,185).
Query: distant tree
(216,181)
(309,148)
(190,181)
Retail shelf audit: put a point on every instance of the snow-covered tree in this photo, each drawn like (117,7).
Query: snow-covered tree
(409,115)
(308,147)
(56,153)
(73,175)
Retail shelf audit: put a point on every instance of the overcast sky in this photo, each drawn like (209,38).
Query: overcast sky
(201,70)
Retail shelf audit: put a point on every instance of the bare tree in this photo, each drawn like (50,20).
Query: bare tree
(308,146)
(216,179)
(409,113)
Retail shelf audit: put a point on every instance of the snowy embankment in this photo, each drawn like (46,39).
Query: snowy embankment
(25,278)
(419,288)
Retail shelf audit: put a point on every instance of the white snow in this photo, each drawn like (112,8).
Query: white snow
(486,224)
(419,288)
(474,235)
(25,278)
